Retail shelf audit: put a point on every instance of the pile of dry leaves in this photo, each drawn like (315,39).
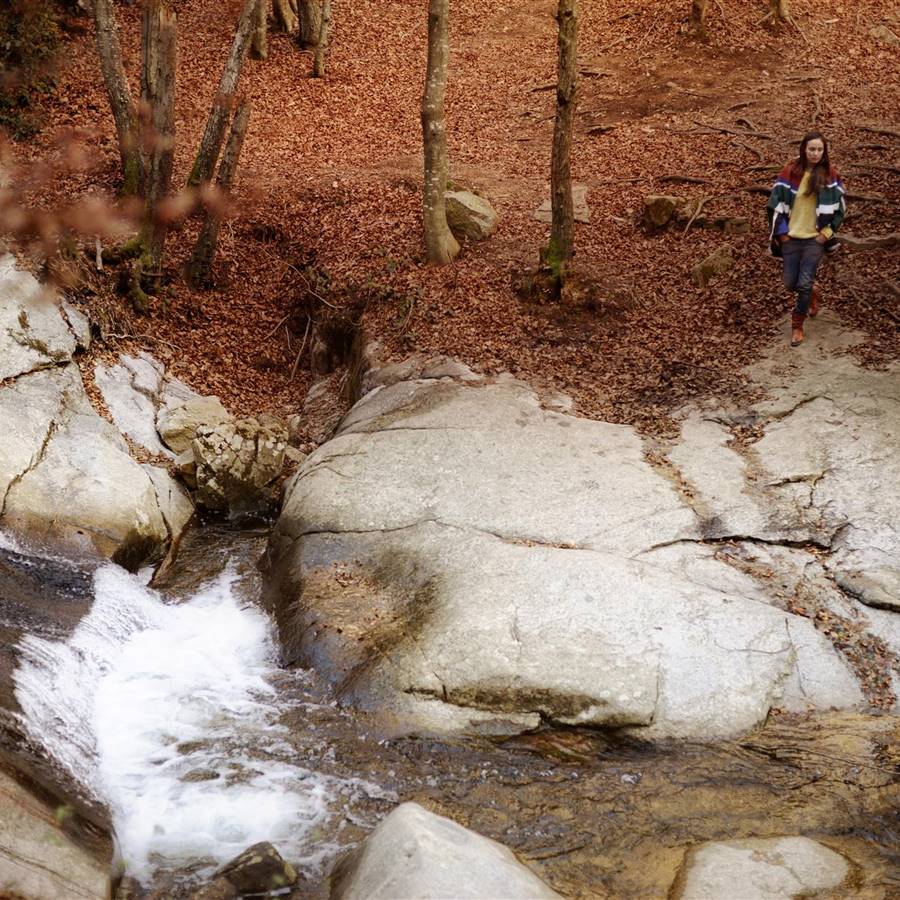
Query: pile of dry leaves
(329,192)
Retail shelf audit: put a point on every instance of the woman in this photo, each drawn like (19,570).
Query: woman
(806,207)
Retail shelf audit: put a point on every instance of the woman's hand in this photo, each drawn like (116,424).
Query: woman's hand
(783,238)
(820,238)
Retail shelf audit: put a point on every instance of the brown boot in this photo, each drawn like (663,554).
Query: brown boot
(797,329)
(814,302)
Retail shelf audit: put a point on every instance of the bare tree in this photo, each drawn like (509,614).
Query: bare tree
(214,134)
(558,253)
(286,14)
(123,109)
(779,11)
(698,11)
(440,245)
(322,45)
(200,267)
(259,48)
(158,38)
(309,12)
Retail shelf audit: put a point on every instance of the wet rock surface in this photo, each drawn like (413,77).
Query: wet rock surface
(468,559)
(591,813)
(38,860)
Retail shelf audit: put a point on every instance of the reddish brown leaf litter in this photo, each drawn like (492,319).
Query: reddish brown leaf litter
(331,173)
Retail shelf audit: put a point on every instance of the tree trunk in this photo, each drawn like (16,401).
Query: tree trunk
(124,113)
(286,14)
(259,48)
(780,10)
(559,251)
(698,11)
(200,266)
(211,143)
(158,36)
(322,45)
(440,245)
(310,16)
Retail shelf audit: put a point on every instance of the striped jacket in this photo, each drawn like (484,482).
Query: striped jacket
(830,205)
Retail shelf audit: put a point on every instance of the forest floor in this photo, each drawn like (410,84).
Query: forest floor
(330,184)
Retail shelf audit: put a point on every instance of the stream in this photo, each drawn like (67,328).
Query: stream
(165,705)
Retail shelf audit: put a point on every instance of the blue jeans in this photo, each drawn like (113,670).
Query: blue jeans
(801,258)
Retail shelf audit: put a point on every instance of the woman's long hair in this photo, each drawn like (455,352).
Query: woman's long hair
(821,172)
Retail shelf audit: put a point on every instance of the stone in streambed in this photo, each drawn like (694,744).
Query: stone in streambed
(765,869)
(415,853)
(258,869)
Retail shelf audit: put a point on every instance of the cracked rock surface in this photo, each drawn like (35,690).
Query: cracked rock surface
(66,474)
(33,333)
(470,560)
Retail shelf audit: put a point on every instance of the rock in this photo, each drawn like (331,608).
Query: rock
(661,209)
(485,541)
(37,859)
(885,35)
(33,333)
(78,324)
(174,503)
(469,216)
(418,367)
(294,455)
(442,555)
(544,213)
(237,462)
(258,869)
(179,418)
(765,868)
(186,466)
(130,390)
(65,473)
(415,853)
(324,407)
(718,262)
(218,889)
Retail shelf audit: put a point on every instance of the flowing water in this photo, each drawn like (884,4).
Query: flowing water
(165,703)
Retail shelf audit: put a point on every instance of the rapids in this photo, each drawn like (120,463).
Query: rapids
(167,705)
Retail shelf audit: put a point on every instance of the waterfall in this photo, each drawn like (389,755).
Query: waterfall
(167,714)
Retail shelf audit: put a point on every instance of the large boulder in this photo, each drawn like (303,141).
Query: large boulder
(66,474)
(469,559)
(180,416)
(237,463)
(469,216)
(415,853)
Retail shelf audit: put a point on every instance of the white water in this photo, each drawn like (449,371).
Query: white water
(166,713)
